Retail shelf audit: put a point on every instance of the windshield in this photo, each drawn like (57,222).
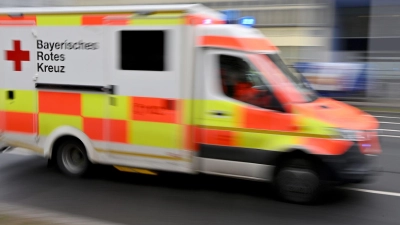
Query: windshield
(299,81)
(275,70)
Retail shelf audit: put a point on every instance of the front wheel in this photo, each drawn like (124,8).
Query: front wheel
(72,158)
(298,181)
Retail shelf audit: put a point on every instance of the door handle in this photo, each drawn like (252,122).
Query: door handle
(219,113)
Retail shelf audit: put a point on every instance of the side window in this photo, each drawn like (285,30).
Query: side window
(239,81)
(142,50)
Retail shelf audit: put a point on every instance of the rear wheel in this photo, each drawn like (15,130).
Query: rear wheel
(72,158)
(298,181)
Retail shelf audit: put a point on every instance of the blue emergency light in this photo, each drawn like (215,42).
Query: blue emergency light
(231,15)
(248,21)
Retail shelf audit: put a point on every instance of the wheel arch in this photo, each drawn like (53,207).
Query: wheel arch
(296,152)
(65,132)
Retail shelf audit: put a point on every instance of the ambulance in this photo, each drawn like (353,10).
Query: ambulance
(151,88)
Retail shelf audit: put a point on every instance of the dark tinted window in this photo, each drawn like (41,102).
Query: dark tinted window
(241,82)
(142,50)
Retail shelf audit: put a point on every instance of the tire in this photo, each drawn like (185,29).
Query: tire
(72,158)
(298,181)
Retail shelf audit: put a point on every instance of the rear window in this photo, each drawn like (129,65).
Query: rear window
(142,50)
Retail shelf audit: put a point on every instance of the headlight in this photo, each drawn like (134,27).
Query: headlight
(351,135)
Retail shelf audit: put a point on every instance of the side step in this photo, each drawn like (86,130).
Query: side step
(134,170)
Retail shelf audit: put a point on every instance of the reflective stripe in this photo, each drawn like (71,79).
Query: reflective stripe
(266,141)
(2,121)
(154,109)
(163,135)
(23,101)
(59,20)
(189,133)
(94,128)
(103,106)
(105,19)
(20,122)
(202,19)
(50,122)
(218,137)
(93,19)
(244,44)
(268,120)
(2,100)
(117,22)
(192,111)
(49,102)
(155,122)
(106,130)
(118,131)
(191,136)
(300,134)
(18,114)
(18,21)
(118,107)
(312,125)
(94,105)
(232,113)
(160,18)
(187,111)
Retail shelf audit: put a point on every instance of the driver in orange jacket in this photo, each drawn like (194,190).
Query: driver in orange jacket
(244,91)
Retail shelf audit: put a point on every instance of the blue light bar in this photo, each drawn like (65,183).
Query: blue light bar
(247,21)
(231,15)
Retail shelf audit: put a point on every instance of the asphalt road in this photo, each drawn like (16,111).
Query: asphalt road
(204,200)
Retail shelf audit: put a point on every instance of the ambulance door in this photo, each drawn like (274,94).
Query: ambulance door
(227,146)
(18,68)
(145,67)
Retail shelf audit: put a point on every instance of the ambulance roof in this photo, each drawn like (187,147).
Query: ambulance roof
(234,36)
(189,8)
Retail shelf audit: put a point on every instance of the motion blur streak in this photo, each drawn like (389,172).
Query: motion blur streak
(173,109)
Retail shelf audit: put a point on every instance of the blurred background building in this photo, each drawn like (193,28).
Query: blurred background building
(309,30)
(300,28)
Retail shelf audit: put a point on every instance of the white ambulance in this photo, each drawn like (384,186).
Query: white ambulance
(171,88)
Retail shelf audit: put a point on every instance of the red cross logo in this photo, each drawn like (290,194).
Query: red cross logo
(17,55)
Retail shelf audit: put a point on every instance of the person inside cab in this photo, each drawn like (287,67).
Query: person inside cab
(244,90)
(238,82)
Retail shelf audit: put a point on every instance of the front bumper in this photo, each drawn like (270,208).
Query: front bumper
(353,166)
